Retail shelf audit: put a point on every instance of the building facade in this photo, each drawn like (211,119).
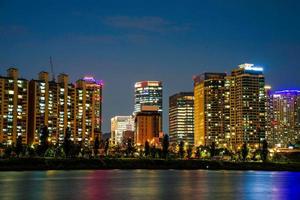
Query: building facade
(60,106)
(209,109)
(88,110)
(181,117)
(38,107)
(148,93)
(119,126)
(247,106)
(13,108)
(269,116)
(286,118)
(148,125)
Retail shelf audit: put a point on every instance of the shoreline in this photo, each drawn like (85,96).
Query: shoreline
(32,164)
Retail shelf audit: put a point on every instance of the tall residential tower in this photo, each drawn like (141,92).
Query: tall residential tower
(286,117)
(209,108)
(247,106)
(13,108)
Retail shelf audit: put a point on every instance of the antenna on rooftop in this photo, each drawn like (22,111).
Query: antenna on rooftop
(52,71)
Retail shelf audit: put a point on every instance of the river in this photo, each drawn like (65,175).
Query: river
(149,184)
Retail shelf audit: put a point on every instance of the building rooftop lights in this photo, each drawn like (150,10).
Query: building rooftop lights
(251,67)
(268,87)
(91,79)
(147,83)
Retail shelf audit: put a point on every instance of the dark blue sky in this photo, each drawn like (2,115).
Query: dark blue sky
(123,42)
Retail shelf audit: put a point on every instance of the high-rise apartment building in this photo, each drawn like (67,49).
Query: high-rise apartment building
(286,118)
(38,112)
(247,106)
(230,110)
(148,93)
(148,125)
(120,125)
(13,107)
(181,117)
(88,110)
(209,99)
(62,105)
(66,107)
(269,115)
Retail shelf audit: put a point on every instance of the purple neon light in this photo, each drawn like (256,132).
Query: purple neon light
(93,80)
(287,92)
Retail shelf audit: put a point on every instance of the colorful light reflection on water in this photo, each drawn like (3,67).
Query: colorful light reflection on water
(149,184)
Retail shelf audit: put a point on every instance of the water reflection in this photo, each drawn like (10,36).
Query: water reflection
(149,184)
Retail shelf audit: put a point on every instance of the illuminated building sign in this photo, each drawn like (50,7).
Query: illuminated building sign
(147,83)
(251,67)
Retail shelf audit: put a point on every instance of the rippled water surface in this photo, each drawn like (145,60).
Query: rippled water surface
(149,184)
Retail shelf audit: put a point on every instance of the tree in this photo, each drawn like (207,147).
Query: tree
(245,151)
(153,151)
(198,153)
(106,146)
(212,149)
(181,149)
(19,145)
(67,142)
(44,141)
(264,151)
(75,150)
(8,151)
(165,146)
(147,149)
(96,145)
(129,149)
(189,152)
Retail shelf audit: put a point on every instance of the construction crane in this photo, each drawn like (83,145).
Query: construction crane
(52,71)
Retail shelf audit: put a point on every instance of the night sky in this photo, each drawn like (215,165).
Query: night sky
(123,42)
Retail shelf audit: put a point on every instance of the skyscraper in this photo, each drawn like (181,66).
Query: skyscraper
(286,117)
(209,108)
(269,116)
(119,125)
(148,93)
(181,117)
(247,116)
(13,107)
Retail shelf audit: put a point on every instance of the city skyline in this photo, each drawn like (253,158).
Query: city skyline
(106,122)
(150,41)
(149,99)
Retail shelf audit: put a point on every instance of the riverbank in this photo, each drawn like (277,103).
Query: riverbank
(23,164)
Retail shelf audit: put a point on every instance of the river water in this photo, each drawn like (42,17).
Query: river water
(149,184)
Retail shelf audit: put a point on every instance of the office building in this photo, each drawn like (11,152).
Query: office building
(148,125)
(148,93)
(181,118)
(119,126)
